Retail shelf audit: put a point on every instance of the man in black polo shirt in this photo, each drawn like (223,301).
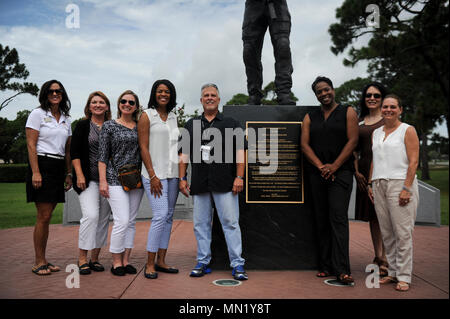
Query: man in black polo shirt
(217,175)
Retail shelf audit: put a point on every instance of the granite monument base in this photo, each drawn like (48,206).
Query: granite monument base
(275,235)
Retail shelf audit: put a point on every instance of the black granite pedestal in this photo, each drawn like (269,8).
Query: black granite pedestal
(274,235)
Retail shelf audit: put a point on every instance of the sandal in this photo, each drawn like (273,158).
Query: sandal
(53,268)
(96,266)
(345,279)
(38,270)
(323,274)
(84,269)
(387,280)
(402,286)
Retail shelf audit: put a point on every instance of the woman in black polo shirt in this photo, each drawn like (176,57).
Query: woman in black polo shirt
(329,136)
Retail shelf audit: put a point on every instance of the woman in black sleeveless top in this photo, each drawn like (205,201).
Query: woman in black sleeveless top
(329,136)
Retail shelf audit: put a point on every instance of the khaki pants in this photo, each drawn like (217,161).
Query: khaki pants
(397,225)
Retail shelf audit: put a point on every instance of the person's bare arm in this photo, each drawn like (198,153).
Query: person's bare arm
(412,152)
(352,142)
(144,141)
(182,168)
(32,138)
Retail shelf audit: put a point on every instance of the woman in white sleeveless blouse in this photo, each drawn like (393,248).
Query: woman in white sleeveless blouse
(158,139)
(394,190)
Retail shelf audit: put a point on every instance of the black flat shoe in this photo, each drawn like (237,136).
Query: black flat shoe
(169,270)
(119,271)
(96,266)
(84,269)
(151,275)
(129,269)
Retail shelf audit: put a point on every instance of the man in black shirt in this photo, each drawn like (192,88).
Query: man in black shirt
(217,175)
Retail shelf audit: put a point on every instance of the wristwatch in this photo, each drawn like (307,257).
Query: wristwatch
(184,178)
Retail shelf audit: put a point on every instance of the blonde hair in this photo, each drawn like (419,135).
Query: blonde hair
(136,113)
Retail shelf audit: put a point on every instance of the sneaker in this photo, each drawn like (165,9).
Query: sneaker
(200,270)
(239,273)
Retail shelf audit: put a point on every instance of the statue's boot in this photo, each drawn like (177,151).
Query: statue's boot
(254,100)
(285,99)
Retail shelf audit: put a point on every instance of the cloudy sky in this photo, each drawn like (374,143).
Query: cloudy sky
(129,44)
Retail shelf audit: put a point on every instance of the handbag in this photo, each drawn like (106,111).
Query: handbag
(130,177)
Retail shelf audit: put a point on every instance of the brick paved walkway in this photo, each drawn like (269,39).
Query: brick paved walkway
(430,279)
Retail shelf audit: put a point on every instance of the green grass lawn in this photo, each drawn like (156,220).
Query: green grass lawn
(439,179)
(16,212)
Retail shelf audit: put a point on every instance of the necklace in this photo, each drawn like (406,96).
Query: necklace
(99,126)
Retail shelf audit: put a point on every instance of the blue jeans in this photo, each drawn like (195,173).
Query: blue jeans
(227,206)
(162,208)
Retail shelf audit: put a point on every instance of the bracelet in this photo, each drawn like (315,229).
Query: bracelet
(184,178)
(69,174)
(240,177)
(406,189)
(152,177)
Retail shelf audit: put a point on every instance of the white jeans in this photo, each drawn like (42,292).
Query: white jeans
(94,222)
(124,206)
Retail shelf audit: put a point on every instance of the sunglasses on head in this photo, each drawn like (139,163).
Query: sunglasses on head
(58,91)
(123,101)
(375,95)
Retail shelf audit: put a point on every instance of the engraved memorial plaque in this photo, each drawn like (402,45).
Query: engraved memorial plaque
(274,166)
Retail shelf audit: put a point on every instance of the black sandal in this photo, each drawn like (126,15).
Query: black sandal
(96,266)
(345,279)
(84,269)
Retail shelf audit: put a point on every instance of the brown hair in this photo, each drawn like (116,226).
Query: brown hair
(395,97)
(136,113)
(88,113)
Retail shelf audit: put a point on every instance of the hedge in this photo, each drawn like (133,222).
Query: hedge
(13,173)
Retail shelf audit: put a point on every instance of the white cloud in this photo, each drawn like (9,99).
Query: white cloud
(129,44)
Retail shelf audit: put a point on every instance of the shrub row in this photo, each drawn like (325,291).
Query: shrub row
(13,173)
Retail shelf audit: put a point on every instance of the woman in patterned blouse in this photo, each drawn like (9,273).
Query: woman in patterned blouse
(118,146)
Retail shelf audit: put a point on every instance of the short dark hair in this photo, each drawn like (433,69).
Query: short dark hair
(64,105)
(362,102)
(173,95)
(321,79)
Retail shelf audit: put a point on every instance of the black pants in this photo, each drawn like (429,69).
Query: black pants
(330,202)
(257,18)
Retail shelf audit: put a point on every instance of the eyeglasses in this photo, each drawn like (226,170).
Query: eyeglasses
(375,95)
(58,92)
(131,102)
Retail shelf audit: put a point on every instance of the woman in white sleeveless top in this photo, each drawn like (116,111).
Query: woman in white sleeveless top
(394,190)
(158,137)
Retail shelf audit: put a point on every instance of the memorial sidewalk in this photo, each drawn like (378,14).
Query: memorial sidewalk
(430,274)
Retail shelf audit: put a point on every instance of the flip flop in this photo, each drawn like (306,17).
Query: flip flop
(53,268)
(36,270)
(387,280)
(402,286)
